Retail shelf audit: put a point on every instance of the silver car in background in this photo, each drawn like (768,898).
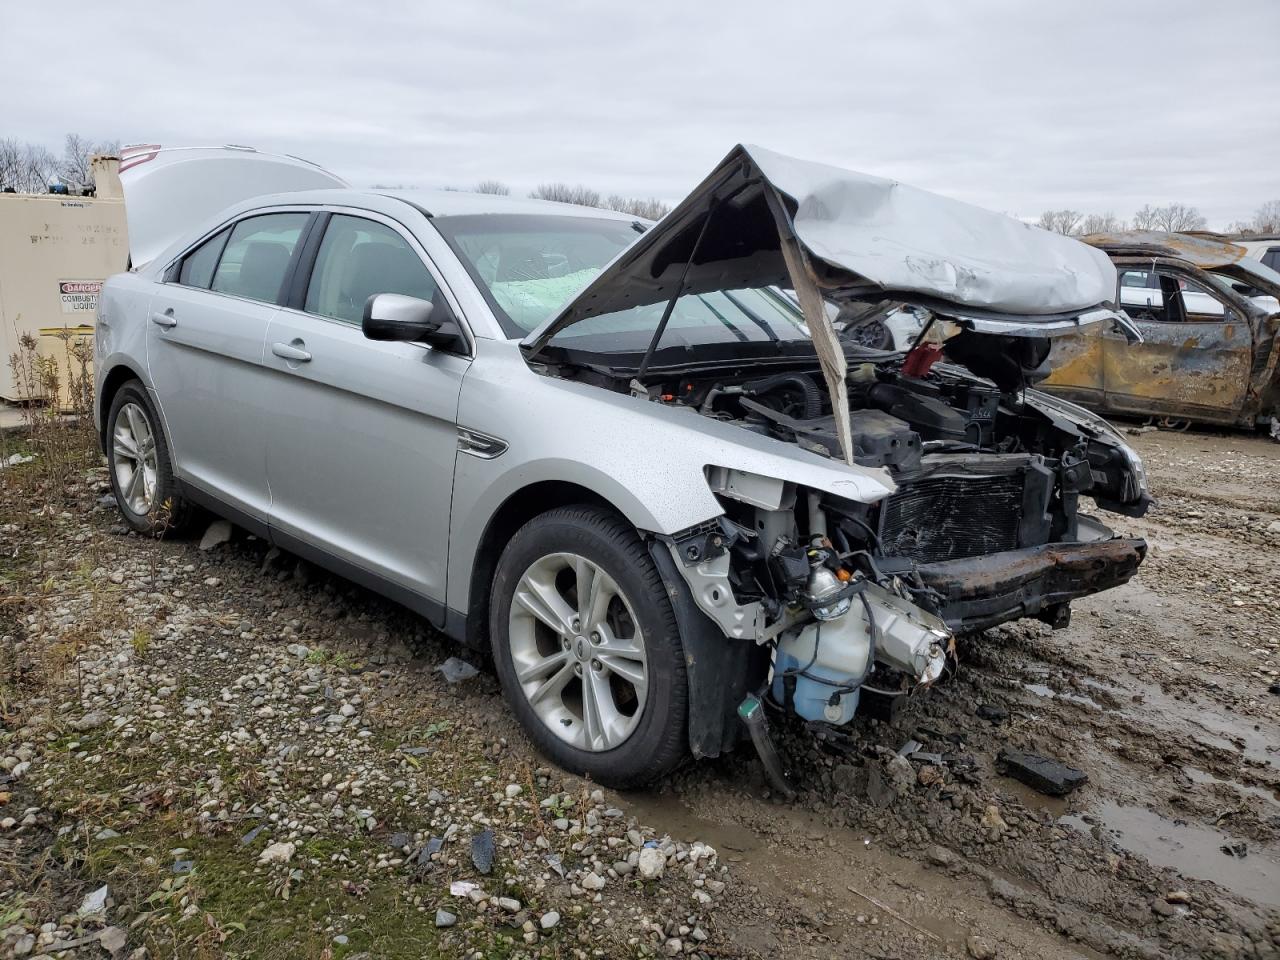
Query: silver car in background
(617,454)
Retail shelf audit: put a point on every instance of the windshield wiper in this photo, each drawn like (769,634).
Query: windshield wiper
(729,324)
(753,317)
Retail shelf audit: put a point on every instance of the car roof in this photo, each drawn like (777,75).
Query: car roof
(428,203)
(433,203)
(1206,251)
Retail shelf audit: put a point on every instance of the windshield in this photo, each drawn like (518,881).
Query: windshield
(529,266)
(1244,275)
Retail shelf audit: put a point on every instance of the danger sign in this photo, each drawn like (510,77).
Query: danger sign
(79,296)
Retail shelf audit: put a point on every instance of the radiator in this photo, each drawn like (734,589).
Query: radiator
(945,518)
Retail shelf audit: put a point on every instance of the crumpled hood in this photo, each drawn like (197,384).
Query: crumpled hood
(764,219)
(864,237)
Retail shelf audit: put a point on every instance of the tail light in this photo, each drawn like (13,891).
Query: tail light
(139,153)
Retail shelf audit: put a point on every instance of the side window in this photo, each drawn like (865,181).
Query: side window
(358,258)
(257,255)
(1272,258)
(197,266)
(1201,305)
(1140,293)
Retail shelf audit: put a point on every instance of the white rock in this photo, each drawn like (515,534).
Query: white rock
(652,863)
(281,852)
(514,790)
(95,902)
(218,532)
(113,940)
(549,919)
(592,881)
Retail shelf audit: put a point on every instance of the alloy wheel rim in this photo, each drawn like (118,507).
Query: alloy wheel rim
(578,652)
(134,459)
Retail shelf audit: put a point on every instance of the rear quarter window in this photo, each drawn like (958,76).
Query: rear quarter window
(198,266)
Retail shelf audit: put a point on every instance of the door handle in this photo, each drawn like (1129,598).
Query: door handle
(166,320)
(291,351)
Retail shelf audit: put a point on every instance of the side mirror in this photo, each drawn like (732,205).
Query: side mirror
(393,316)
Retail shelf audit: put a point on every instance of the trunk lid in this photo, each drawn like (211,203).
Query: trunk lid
(167,190)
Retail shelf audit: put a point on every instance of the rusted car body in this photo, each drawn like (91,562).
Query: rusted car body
(1210,319)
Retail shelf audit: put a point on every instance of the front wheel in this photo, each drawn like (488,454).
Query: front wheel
(586,647)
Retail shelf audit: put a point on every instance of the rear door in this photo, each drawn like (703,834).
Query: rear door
(205,335)
(362,434)
(1196,353)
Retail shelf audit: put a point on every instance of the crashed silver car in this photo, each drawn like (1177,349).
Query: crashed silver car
(619,455)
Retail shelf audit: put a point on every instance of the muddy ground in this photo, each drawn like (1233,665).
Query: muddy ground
(1159,691)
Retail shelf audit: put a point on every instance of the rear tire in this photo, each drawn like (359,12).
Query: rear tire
(603,693)
(140,467)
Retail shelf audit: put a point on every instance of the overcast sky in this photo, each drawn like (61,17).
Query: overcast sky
(1017,106)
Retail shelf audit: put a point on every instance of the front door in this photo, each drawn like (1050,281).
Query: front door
(205,335)
(1196,353)
(363,434)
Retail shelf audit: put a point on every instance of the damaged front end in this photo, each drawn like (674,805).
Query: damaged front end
(796,592)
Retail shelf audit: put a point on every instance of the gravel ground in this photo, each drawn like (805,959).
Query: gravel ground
(256,759)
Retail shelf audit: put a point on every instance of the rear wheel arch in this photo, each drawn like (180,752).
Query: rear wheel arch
(116,378)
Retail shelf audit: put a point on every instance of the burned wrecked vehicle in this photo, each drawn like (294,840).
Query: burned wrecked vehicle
(620,456)
(1210,323)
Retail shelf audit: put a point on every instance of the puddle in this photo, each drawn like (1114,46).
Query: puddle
(1202,776)
(667,814)
(858,861)
(1191,849)
(1214,726)
(1056,807)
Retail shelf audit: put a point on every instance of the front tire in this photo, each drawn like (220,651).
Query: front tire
(140,466)
(586,647)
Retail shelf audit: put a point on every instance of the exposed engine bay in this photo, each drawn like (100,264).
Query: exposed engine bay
(983,527)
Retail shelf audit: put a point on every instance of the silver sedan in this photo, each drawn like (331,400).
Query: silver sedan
(638,463)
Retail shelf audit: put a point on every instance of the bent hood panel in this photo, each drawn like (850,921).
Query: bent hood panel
(859,236)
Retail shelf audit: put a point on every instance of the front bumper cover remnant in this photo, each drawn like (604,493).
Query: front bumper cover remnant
(980,592)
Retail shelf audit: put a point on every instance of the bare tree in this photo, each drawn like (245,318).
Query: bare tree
(1101,223)
(1146,218)
(1066,222)
(1267,218)
(39,166)
(1177,217)
(649,209)
(10,163)
(493,186)
(75,169)
(563,193)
